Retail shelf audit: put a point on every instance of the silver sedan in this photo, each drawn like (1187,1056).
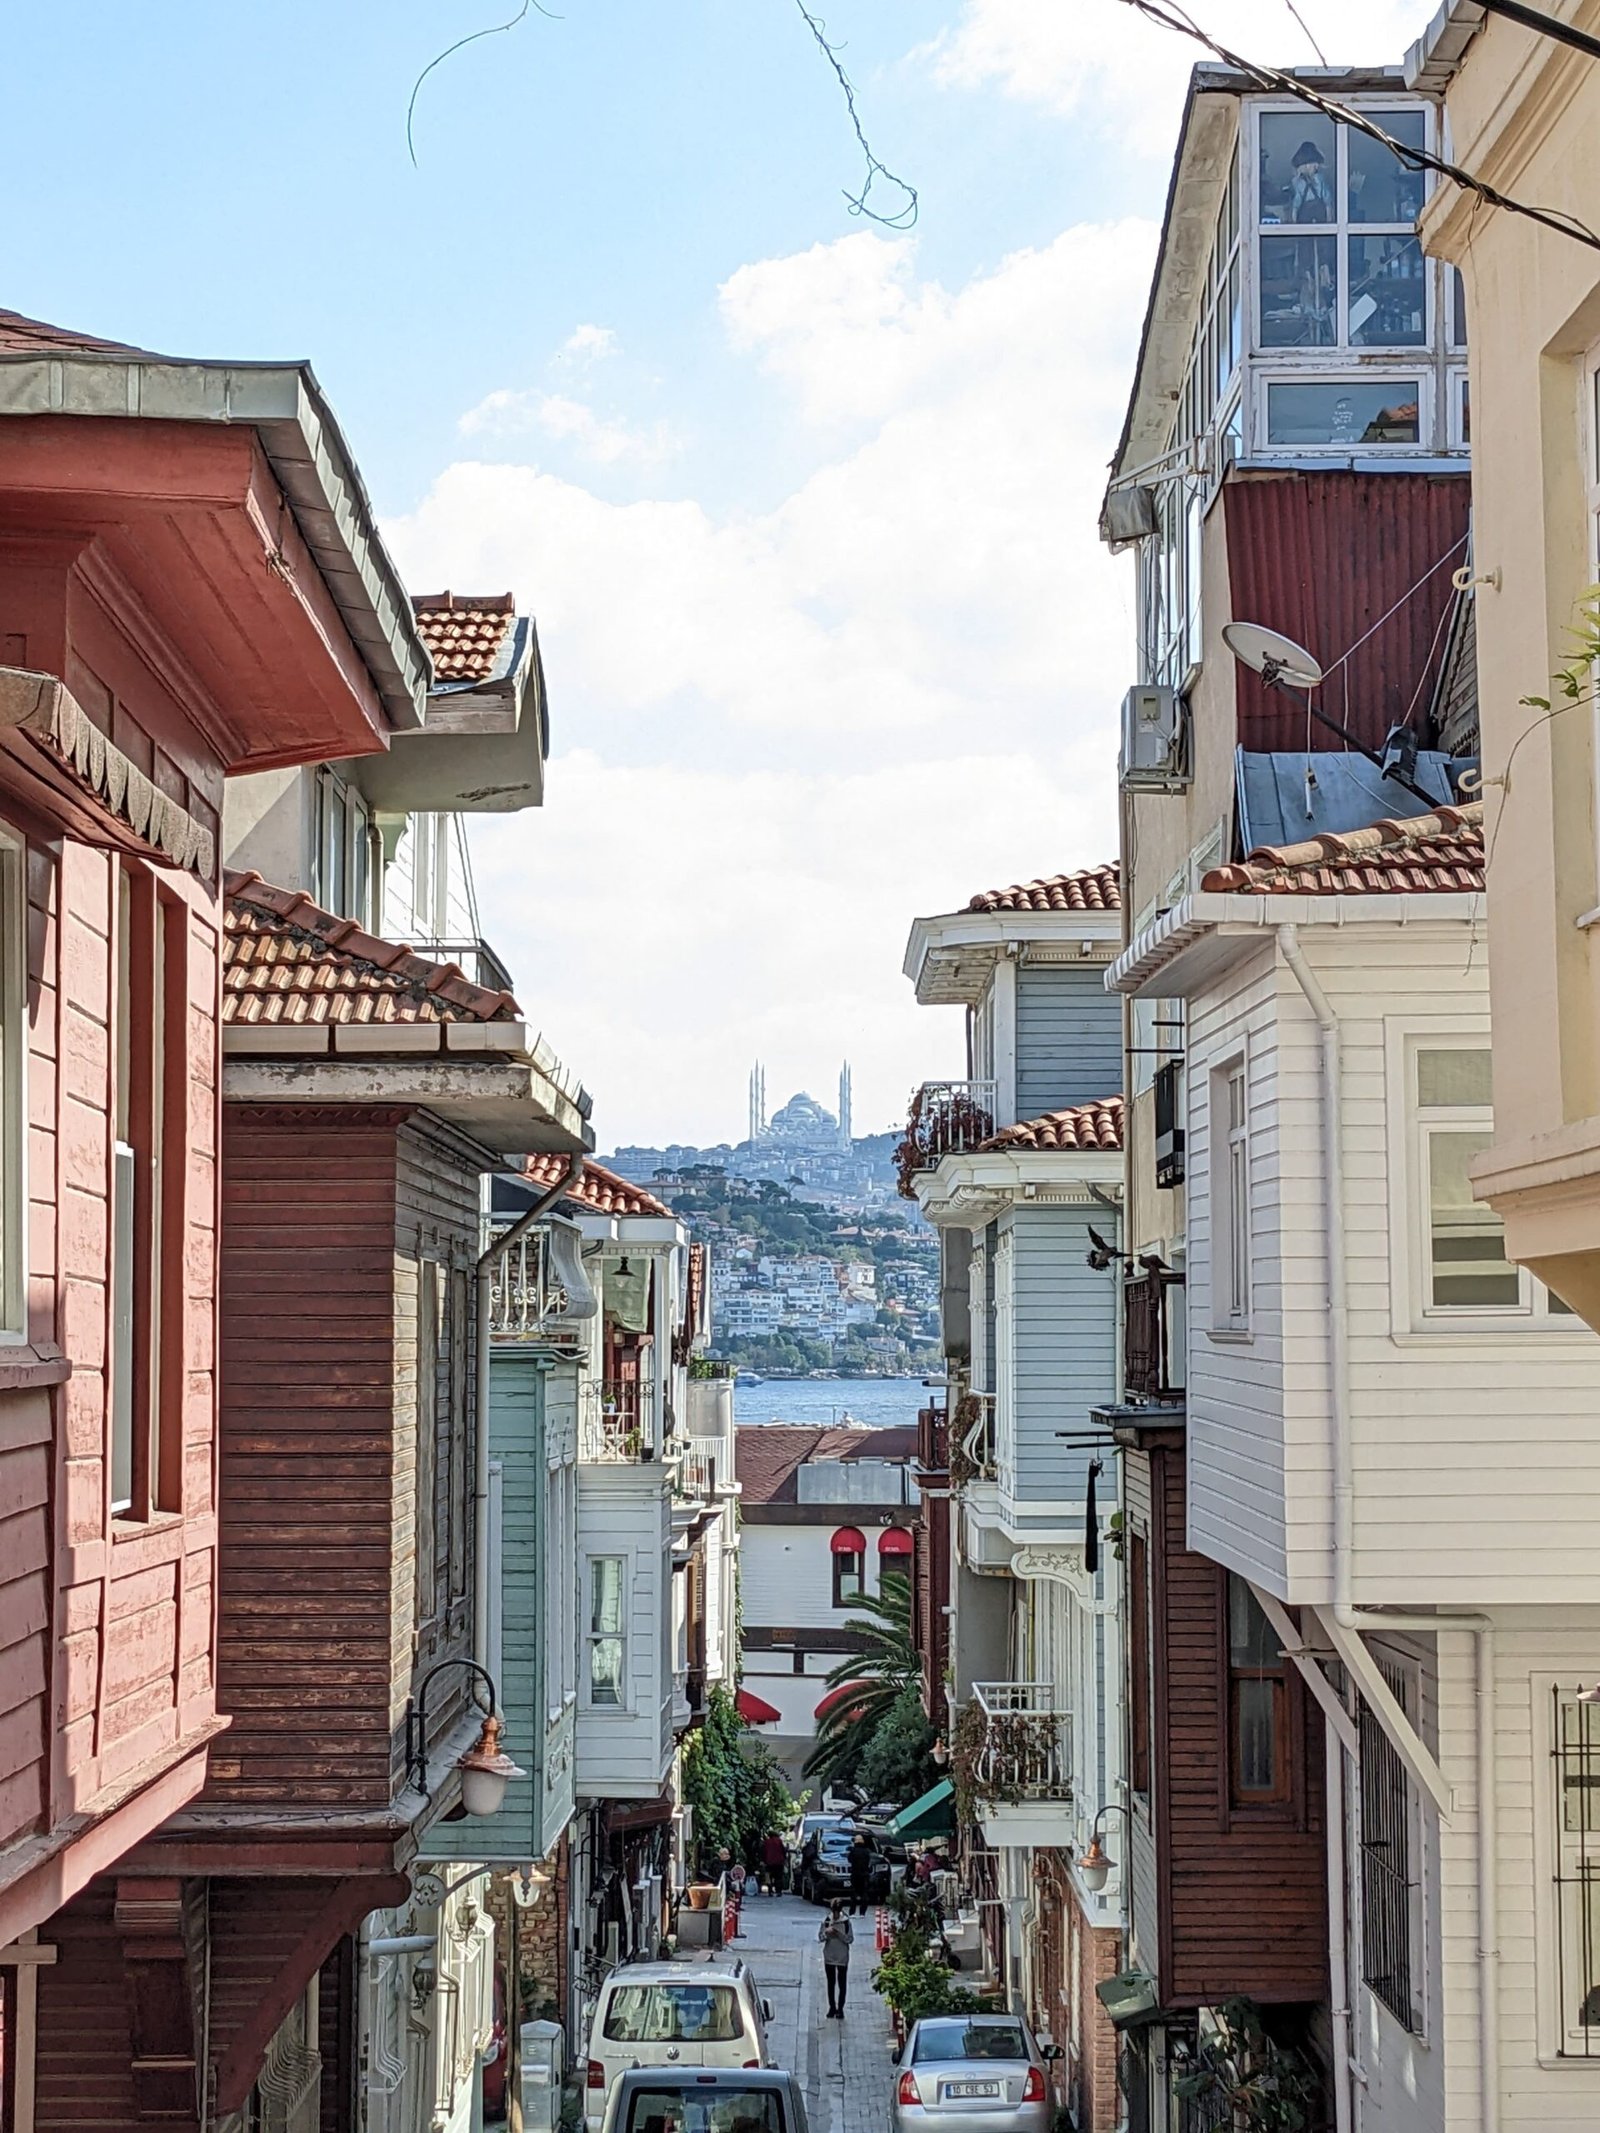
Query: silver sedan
(972,2074)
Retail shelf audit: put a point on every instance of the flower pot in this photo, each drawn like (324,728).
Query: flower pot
(701,1894)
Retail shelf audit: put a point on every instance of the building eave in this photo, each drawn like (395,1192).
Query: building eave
(1182,952)
(967,1191)
(307,452)
(949,957)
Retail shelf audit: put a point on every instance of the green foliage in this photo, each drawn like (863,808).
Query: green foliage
(732,1783)
(1264,2086)
(884,1670)
(897,1763)
(1575,682)
(916,1982)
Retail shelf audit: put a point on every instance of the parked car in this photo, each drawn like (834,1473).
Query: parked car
(724,2100)
(972,2074)
(828,1875)
(695,2014)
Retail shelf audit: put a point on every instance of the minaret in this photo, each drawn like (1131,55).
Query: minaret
(844,1105)
(758,1102)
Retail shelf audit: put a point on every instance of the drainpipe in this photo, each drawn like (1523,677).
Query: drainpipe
(480,1446)
(1350,1617)
(1338,1949)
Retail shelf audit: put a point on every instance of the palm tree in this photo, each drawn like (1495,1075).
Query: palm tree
(876,1677)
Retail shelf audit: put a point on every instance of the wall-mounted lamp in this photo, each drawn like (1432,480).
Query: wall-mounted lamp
(1094,1867)
(939,1752)
(485,1768)
(528,1884)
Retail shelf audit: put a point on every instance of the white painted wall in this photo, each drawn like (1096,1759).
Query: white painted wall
(1475,1456)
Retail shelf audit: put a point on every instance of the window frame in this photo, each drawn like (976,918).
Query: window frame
(13,1087)
(1141,1666)
(1589,460)
(1560,2042)
(1231,1214)
(838,1558)
(594,1636)
(1403,1677)
(1280,1795)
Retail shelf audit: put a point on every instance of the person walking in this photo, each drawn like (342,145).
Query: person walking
(774,1862)
(860,1871)
(836,1936)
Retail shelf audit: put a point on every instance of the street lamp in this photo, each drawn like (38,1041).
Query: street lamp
(1094,1868)
(485,1768)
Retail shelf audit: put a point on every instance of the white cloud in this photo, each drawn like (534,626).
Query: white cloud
(796,729)
(1103,62)
(589,344)
(600,439)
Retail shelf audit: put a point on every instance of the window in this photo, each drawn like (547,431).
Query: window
(674,2014)
(607,1632)
(149,1178)
(1462,1249)
(1391,1897)
(1230,1191)
(430,1306)
(1575,1765)
(1258,1704)
(1139,1663)
(849,1549)
(457,1431)
(1344,411)
(1360,281)
(13,1094)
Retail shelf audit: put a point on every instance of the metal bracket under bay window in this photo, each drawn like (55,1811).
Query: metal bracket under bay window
(1295,1648)
(1407,1743)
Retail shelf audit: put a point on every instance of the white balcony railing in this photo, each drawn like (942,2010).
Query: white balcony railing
(526,1299)
(696,1477)
(1025,1752)
(616,1421)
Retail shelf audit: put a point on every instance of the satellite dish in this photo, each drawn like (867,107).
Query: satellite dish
(1274,658)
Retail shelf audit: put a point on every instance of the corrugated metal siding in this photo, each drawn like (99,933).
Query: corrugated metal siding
(1063,1348)
(1321,557)
(1069,1037)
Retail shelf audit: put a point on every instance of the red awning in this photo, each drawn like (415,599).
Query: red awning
(837,1696)
(895,1540)
(849,1540)
(753,1711)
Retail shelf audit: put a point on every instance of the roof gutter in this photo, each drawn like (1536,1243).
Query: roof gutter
(307,452)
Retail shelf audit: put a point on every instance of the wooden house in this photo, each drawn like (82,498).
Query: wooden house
(190,585)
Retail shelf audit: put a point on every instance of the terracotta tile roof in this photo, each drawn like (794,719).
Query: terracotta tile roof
(1424,854)
(1085,1129)
(464,632)
(598,1189)
(289,961)
(33,336)
(768,1455)
(1090,889)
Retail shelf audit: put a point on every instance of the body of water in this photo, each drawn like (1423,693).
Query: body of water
(884,1403)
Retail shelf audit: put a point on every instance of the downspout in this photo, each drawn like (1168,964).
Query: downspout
(480,1444)
(1350,1617)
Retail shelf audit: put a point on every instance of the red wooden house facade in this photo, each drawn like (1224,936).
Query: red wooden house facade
(189,584)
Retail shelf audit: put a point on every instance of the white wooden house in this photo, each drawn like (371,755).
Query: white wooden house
(1392,1438)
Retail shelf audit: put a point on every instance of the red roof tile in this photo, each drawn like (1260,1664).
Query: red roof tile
(33,336)
(1090,889)
(464,632)
(767,1455)
(1423,855)
(1085,1129)
(598,1189)
(288,961)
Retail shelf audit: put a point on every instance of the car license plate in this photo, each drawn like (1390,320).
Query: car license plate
(971,2088)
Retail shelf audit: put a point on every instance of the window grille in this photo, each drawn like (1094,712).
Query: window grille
(1389,1889)
(1152,1350)
(1575,1761)
(1169,1123)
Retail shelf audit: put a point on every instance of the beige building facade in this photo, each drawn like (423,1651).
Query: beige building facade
(1523,114)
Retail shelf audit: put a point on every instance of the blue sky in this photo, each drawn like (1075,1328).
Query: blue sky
(805,509)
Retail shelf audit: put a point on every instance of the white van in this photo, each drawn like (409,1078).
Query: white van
(673,2014)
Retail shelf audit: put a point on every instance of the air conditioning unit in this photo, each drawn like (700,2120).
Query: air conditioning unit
(1154,740)
(1169,1124)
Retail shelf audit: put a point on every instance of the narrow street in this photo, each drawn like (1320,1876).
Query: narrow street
(843,2067)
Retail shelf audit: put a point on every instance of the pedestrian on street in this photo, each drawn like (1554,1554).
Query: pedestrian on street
(836,1936)
(774,1862)
(860,1871)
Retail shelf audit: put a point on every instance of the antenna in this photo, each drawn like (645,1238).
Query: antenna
(1283,664)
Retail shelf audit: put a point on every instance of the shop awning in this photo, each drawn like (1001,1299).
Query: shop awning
(895,1540)
(934,1815)
(754,1710)
(841,1694)
(849,1540)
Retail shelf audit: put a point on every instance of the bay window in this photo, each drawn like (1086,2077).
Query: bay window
(607,1633)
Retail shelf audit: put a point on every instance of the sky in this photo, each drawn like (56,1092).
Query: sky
(805,507)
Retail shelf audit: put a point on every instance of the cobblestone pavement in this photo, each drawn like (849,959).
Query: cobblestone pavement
(843,2067)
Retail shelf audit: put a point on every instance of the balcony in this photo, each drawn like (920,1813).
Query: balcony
(528,1299)
(616,1422)
(695,1476)
(1152,1331)
(1014,1750)
(947,1118)
(971,1438)
(475,959)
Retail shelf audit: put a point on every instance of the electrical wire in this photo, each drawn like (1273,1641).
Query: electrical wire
(1305,31)
(495,29)
(904,218)
(1170,15)
(1410,593)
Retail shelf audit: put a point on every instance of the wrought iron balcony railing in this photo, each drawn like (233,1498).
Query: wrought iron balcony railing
(527,1300)
(972,1439)
(1025,1750)
(616,1421)
(947,1118)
